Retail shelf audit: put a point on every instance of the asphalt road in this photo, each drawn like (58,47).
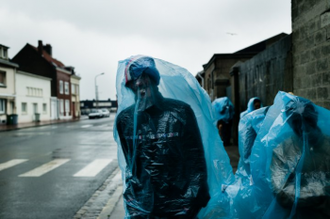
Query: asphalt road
(51,171)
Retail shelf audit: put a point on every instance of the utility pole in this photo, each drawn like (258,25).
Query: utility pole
(96,91)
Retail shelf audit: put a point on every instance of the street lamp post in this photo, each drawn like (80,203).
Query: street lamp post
(96,91)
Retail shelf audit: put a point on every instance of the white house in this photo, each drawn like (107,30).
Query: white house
(7,85)
(33,97)
(75,96)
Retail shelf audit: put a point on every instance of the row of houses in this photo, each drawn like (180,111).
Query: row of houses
(34,86)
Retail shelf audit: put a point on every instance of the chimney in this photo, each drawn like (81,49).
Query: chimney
(40,46)
(48,49)
(70,69)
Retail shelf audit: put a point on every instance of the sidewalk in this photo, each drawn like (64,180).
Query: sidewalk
(35,124)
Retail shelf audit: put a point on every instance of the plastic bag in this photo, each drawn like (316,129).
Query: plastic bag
(164,142)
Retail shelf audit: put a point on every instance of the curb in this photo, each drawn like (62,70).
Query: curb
(109,191)
(38,125)
(110,206)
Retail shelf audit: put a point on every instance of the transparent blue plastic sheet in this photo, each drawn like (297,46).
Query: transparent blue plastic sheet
(179,86)
(289,162)
(244,202)
(248,128)
(224,109)
(250,106)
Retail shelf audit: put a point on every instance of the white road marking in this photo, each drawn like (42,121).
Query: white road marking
(39,171)
(11,163)
(86,126)
(105,125)
(93,168)
(31,133)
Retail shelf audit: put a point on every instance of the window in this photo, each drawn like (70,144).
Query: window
(35,92)
(24,108)
(2,78)
(35,108)
(66,87)
(61,87)
(67,106)
(77,89)
(44,108)
(73,90)
(5,53)
(2,106)
(61,107)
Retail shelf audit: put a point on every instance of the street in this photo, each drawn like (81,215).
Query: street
(52,171)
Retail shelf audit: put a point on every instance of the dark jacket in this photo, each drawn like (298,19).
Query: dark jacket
(166,170)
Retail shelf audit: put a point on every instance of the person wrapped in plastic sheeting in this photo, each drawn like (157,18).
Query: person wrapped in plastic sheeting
(248,128)
(253,104)
(290,161)
(224,111)
(244,203)
(161,151)
(300,167)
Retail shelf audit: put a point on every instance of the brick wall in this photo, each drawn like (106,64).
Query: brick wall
(311,50)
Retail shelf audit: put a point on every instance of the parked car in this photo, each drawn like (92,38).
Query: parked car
(105,113)
(95,113)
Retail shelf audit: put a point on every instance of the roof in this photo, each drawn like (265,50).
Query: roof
(4,46)
(50,59)
(8,63)
(258,47)
(228,56)
(248,51)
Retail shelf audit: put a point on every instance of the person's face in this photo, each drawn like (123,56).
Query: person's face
(256,105)
(142,86)
(144,89)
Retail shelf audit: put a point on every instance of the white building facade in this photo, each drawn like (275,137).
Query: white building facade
(33,97)
(75,96)
(7,85)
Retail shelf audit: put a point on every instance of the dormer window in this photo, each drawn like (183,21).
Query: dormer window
(3,52)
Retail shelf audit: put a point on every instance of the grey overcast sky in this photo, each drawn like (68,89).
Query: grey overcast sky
(94,35)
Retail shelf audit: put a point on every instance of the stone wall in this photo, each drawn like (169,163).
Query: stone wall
(311,50)
(266,73)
